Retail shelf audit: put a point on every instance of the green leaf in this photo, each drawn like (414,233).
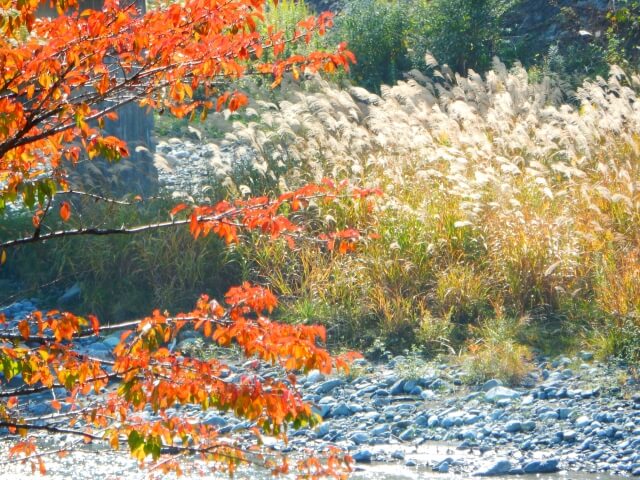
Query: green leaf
(135,440)
(152,447)
(28,195)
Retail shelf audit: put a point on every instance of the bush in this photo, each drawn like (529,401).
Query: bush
(375,31)
(461,33)
(284,16)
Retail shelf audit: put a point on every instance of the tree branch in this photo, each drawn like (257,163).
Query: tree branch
(50,429)
(94,196)
(93,231)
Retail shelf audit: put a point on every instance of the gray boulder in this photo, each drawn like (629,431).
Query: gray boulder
(500,393)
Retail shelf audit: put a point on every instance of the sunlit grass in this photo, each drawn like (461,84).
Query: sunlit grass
(496,194)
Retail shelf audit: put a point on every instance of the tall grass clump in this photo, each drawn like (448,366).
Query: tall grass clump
(497,193)
(495,352)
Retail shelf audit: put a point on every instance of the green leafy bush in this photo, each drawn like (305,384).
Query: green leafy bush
(461,33)
(375,31)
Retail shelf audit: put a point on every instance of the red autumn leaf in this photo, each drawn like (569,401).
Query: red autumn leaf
(23,328)
(95,324)
(177,209)
(65,211)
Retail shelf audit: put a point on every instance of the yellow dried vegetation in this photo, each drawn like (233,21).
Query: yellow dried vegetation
(498,191)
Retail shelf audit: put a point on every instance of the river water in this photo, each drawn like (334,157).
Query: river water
(96,463)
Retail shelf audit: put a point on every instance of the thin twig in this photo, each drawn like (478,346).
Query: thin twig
(50,429)
(94,196)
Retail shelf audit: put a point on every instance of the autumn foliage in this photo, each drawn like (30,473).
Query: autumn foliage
(148,374)
(60,79)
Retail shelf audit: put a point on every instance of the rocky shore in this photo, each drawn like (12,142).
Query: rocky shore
(573,414)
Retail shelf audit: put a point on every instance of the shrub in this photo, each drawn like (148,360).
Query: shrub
(465,34)
(375,32)
(156,269)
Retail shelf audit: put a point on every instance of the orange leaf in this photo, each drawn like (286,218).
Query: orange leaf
(65,211)
(55,404)
(207,329)
(95,324)
(23,327)
(177,209)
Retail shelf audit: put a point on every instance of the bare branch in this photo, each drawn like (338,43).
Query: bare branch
(94,196)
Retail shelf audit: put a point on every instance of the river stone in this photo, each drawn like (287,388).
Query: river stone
(410,386)
(408,435)
(453,419)
(427,395)
(500,393)
(433,421)
(341,410)
(513,426)
(323,429)
(586,356)
(542,466)
(443,465)
(398,387)
(112,340)
(595,455)
(586,445)
(605,417)
(363,456)
(489,384)
(329,385)
(40,409)
(469,434)
(397,455)
(470,419)
(359,437)
(314,376)
(501,466)
(497,414)
(563,413)
(216,420)
(381,430)
(548,416)
(582,421)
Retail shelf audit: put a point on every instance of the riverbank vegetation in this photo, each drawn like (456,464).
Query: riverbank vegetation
(509,223)
(503,202)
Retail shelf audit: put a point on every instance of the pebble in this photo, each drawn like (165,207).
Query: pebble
(362,456)
(499,467)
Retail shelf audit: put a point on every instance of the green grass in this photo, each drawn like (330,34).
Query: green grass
(121,276)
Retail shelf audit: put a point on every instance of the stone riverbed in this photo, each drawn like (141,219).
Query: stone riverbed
(405,418)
